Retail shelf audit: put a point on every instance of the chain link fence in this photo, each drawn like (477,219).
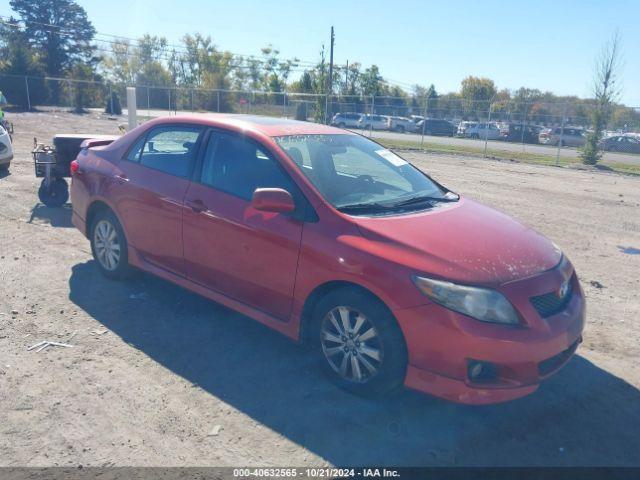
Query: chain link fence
(407,118)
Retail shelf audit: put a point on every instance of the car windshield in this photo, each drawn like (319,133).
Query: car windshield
(354,173)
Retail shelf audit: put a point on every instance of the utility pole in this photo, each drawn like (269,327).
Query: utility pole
(330,89)
(346,78)
(330,79)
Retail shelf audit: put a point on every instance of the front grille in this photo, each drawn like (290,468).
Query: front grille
(550,364)
(549,304)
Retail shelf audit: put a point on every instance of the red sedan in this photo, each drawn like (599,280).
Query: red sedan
(331,239)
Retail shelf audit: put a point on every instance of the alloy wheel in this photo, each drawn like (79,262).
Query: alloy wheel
(107,245)
(351,345)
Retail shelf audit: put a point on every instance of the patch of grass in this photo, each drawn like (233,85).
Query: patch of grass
(505,155)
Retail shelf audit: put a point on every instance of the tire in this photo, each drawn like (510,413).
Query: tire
(56,195)
(102,225)
(399,129)
(475,136)
(341,125)
(380,360)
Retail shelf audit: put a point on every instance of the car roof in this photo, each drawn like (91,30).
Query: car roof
(269,126)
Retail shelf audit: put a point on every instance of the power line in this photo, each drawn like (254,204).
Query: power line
(299,66)
(183,48)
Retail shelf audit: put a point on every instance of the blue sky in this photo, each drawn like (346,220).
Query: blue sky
(545,44)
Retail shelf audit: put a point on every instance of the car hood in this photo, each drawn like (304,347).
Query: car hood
(464,241)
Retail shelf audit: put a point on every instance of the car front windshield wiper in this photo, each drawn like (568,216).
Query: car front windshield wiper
(363,207)
(389,206)
(423,199)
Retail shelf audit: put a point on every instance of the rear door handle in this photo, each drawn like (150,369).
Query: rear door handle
(121,178)
(196,205)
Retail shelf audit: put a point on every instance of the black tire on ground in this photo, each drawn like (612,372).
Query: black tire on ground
(341,125)
(56,195)
(399,129)
(123,269)
(389,339)
(5,168)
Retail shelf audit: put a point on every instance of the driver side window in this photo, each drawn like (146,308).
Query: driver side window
(236,165)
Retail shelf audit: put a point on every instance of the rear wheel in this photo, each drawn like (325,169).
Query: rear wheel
(109,246)
(399,129)
(359,344)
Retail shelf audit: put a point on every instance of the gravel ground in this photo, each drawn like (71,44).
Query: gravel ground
(159,376)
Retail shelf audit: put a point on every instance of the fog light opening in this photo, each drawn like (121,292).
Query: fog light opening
(479,371)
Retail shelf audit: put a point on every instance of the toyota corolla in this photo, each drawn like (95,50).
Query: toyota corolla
(329,238)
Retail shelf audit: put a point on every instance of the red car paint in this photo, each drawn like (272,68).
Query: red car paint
(271,264)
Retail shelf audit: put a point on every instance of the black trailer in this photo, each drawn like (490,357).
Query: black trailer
(53,165)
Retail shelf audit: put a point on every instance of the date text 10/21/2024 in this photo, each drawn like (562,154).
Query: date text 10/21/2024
(315,473)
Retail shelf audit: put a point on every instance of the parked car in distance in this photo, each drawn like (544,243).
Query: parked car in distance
(435,126)
(483,131)
(401,124)
(462,128)
(346,120)
(621,143)
(516,132)
(6,150)
(375,122)
(327,237)
(564,137)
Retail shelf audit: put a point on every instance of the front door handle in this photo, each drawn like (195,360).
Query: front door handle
(196,205)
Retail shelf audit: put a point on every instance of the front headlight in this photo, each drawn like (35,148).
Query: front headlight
(480,303)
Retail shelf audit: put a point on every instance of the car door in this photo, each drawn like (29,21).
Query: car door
(149,189)
(633,145)
(230,247)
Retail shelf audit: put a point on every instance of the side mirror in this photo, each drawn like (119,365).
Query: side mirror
(274,200)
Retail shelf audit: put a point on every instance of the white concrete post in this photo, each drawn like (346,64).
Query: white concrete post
(131,107)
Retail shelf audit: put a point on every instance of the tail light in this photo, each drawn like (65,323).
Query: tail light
(74,167)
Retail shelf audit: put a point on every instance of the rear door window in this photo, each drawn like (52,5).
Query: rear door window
(171,149)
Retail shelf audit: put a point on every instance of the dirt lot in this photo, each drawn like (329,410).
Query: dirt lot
(160,376)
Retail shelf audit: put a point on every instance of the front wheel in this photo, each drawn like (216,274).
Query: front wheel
(359,344)
(109,246)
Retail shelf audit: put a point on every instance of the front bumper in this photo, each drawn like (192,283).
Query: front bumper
(441,343)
